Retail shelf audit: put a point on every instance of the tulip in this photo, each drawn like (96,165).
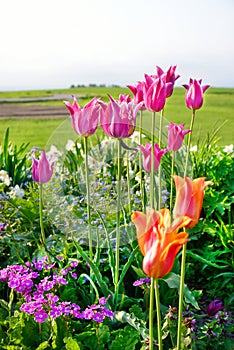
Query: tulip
(159,240)
(194,94)
(118,118)
(176,136)
(42,169)
(155,92)
(138,92)
(214,307)
(168,77)
(189,198)
(123,97)
(147,155)
(84,120)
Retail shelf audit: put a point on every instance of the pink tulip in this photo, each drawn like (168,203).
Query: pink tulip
(138,92)
(42,169)
(84,120)
(194,94)
(147,156)
(176,136)
(155,92)
(168,77)
(118,119)
(123,97)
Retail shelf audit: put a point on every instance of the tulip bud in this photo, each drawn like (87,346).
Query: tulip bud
(194,94)
(42,169)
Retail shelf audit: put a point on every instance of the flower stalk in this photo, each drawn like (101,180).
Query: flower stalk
(90,238)
(118,219)
(183,258)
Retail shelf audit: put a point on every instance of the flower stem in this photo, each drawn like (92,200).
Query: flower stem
(129,189)
(41,219)
(88,197)
(140,166)
(159,168)
(152,162)
(172,173)
(183,259)
(151,316)
(118,219)
(156,289)
(189,143)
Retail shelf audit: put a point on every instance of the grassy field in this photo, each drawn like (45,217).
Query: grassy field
(216,112)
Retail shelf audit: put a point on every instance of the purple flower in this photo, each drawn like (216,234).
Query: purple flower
(3,226)
(141,281)
(214,307)
(40,316)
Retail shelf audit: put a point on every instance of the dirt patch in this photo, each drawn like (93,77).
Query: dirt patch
(32,111)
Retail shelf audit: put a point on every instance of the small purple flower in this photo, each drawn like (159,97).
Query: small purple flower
(141,281)
(74,263)
(40,316)
(102,301)
(3,226)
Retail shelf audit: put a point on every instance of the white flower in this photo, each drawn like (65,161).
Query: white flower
(71,146)
(135,137)
(228,149)
(4,177)
(16,192)
(53,153)
(193,148)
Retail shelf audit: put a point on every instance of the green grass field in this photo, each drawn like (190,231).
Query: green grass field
(216,112)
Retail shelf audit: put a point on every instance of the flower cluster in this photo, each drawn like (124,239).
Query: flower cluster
(39,293)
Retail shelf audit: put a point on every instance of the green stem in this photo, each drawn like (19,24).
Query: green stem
(172,173)
(88,197)
(151,316)
(181,297)
(118,220)
(140,166)
(129,189)
(152,162)
(183,259)
(189,143)
(159,168)
(156,289)
(41,219)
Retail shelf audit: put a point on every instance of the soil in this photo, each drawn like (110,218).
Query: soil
(32,111)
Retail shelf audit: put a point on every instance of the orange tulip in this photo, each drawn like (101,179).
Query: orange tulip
(189,198)
(159,240)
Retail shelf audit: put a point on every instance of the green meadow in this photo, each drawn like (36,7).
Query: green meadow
(216,115)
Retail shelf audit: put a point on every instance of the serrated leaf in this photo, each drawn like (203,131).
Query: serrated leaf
(125,339)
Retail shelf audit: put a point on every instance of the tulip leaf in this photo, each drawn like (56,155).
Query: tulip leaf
(205,261)
(173,281)
(95,270)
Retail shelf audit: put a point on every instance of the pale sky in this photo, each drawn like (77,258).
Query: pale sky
(56,43)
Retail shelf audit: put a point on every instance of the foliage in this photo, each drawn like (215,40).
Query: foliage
(209,255)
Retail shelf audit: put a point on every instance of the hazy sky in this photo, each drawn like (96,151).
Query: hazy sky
(56,43)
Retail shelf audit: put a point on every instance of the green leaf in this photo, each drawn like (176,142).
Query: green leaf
(44,345)
(127,265)
(95,270)
(205,261)
(173,281)
(125,339)
(133,321)
(71,344)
